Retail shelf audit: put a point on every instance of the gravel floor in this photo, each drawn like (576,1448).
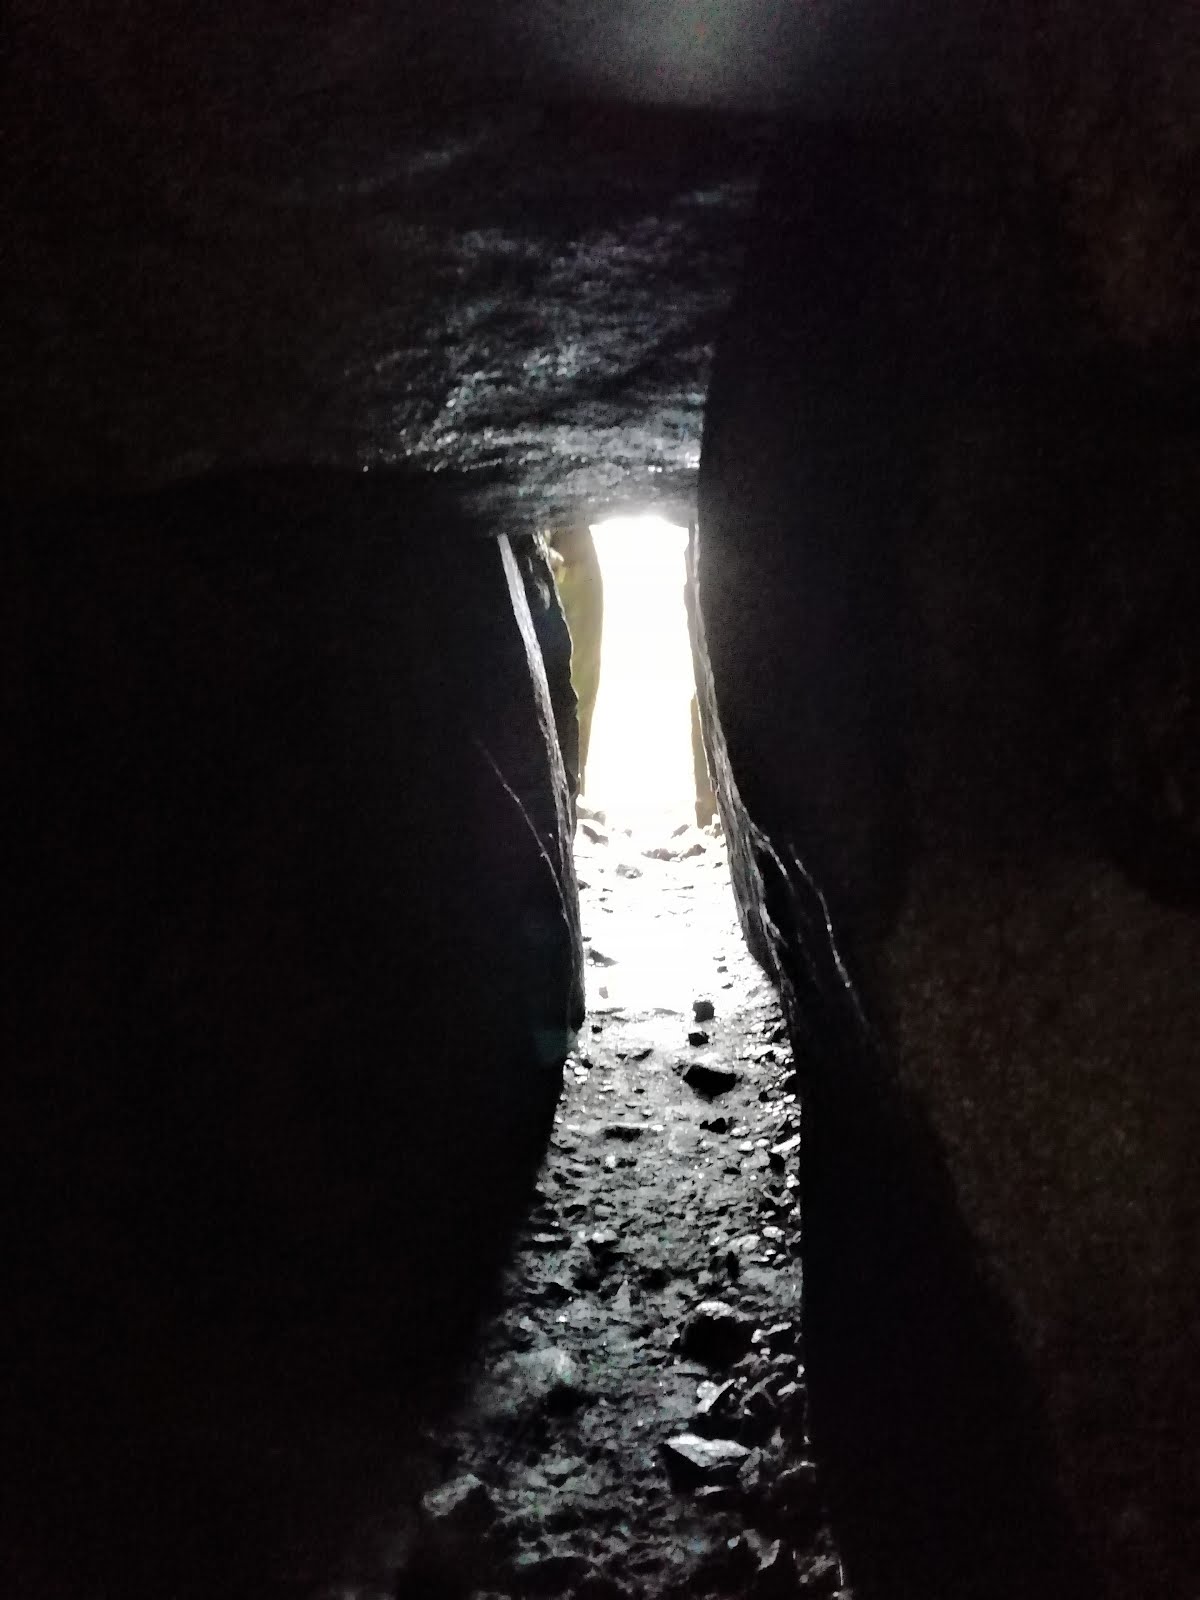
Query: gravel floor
(636,1420)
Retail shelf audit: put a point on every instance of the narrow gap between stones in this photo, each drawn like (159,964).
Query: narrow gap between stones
(635,1420)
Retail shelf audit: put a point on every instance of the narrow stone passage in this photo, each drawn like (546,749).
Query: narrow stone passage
(635,1422)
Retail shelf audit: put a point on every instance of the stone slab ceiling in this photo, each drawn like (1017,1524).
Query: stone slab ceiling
(521,296)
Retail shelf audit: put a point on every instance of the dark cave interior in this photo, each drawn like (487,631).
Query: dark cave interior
(302,369)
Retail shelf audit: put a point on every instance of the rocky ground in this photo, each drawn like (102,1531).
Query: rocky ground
(635,1420)
(628,1418)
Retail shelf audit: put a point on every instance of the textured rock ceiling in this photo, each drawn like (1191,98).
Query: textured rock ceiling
(521,296)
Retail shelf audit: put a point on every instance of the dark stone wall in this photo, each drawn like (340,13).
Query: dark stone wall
(945,557)
(290,917)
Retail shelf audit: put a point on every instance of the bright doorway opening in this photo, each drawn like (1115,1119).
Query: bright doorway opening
(640,768)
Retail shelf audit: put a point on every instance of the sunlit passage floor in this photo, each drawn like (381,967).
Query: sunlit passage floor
(670,1183)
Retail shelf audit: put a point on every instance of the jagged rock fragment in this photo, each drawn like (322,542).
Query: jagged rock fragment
(820,1575)
(716,1334)
(710,1077)
(776,1575)
(463,1505)
(795,1490)
(712,1404)
(780,1153)
(706,1461)
(720,1496)
(550,1377)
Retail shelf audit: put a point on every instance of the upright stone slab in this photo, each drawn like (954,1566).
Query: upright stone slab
(290,904)
(946,568)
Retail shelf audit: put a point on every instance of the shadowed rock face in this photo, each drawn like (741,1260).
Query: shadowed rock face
(291,907)
(943,514)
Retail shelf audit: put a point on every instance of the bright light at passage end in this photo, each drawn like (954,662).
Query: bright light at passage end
(640,764)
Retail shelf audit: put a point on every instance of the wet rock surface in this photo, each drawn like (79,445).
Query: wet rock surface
(523,296)
(658,1277)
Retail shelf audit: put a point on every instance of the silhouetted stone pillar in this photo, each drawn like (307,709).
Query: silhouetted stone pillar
(291,911)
